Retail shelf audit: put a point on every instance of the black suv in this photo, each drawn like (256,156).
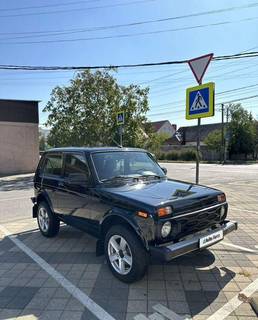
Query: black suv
(123,197)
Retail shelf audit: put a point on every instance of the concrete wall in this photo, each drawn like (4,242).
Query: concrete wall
(19,147)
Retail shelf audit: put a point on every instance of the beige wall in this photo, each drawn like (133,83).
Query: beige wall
(167,128)
(19,147)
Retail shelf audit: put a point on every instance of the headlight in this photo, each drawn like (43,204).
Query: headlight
(222,211)
(165,230)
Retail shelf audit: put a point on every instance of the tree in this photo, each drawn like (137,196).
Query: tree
(42,142)
(84,112)
(155,141)
(213,140)
(256,140)
(241,130)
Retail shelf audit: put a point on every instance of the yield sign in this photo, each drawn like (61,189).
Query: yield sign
(199,66)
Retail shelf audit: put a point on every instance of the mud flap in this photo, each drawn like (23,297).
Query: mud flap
(99,247)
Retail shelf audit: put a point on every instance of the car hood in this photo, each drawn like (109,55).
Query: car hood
(181,195)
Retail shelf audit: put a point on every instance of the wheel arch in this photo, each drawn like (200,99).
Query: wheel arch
(41,197)
(119,219)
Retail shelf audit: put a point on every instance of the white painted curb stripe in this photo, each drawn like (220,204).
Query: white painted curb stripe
(156,316)
(234,303)
(167,312)
(13,199)
(71,288)
(238,247)
(141,316)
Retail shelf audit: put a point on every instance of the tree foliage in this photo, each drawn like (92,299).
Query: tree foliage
(242,131)
(84,112)
(213,140)
(256,140)
(155,141)
(42,142)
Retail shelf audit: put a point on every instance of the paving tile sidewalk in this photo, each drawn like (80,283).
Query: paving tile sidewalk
(196,285)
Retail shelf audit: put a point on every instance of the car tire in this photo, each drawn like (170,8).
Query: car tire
(125,254)
(48,223)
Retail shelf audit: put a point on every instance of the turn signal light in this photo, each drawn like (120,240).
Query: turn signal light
(142,214)
(162,212)
(221,197)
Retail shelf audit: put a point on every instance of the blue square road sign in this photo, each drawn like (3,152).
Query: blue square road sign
(200,101)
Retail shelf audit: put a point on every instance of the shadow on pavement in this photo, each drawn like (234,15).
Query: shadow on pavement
(19,183)
(192,280)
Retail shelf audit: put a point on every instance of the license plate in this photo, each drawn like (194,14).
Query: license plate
(210,239)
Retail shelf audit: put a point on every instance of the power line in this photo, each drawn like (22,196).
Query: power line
(253,54)
(129,35)
(217,94)
(239,99)
(162,91)
(49,5)
(219,103)
(131,24)
(73,10)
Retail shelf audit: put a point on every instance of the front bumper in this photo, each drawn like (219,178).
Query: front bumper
(171,251)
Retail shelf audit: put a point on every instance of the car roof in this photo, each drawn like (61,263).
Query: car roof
(93,149)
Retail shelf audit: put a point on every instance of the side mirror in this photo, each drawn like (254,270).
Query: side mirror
(164,170)
(77,179)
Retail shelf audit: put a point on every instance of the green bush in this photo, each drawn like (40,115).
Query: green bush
(161,156)
(188,155)
(172,155)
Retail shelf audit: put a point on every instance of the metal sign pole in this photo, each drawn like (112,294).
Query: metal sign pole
(198,152)
(199,66)
(197,174)
(120,120)
(121,136)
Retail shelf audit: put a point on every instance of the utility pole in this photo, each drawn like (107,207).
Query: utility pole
(226,140)
(222,152)
(227,115)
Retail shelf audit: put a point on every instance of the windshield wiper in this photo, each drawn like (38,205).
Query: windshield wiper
(120,177)
(152,176)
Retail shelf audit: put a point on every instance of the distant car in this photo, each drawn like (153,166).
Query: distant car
(123,197)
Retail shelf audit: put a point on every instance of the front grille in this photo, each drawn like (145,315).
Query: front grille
(196,222)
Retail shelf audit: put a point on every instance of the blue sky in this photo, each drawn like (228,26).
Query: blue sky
(167,95)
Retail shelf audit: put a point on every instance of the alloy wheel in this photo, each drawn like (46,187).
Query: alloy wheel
(43,219)
(120,255)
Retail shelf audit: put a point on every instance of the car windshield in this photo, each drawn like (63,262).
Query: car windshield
(125,164)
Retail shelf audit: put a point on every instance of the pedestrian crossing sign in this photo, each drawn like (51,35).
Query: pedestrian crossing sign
(200,101)
(120,118)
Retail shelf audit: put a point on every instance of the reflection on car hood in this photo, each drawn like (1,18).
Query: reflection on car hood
(166,191)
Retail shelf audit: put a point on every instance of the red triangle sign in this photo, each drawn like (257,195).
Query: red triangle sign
(199,66)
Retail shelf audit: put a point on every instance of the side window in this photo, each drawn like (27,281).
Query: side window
(76,167)
(53,165)
(40,166)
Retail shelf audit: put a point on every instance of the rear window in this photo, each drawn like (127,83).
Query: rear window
(53,165)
